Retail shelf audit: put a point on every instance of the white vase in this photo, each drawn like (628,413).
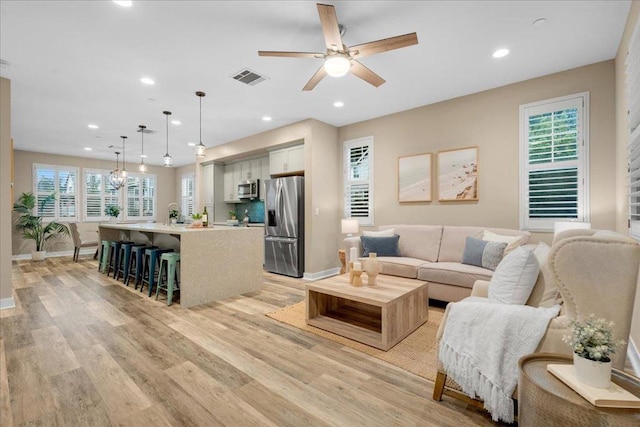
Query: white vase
(372,268)
(38,255)
(590,372)
(112,219)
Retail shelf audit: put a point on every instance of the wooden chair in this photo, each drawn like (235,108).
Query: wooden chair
(77,241)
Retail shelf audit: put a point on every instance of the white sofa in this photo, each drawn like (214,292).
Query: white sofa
(433,253)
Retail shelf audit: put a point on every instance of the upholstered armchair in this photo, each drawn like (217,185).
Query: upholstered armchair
(594,272)
(78,242)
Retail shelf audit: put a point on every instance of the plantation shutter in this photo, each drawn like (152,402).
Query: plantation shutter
(98,195)
(140,197)
(188,191)
(61,180)
(45,185)
(149,196)
(554,163)
(133,197)
(358,156)
(633,101)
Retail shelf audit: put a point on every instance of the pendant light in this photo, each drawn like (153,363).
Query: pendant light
(142,168)
(116,179)
(124,168)
(200,147)
(167,161)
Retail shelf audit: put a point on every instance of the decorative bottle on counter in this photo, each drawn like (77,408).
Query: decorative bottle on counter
(205,218)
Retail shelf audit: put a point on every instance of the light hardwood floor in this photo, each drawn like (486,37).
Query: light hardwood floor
(81,349)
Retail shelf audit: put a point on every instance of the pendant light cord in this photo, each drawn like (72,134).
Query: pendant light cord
(200,119)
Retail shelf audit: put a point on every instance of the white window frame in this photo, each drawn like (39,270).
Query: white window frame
(57,169)
(347,182)
(185,199)
(103,205)
(141,197)
(581,102)
(632,71)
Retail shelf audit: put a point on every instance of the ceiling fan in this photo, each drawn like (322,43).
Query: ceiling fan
(339,60)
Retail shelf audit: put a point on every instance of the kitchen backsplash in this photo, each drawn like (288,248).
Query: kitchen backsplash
(256,210)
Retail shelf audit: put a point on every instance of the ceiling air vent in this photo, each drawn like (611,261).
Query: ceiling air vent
(249,77)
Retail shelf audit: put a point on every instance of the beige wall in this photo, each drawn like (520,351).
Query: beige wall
(489,120)
(24,161)
(622,141)
(5,193)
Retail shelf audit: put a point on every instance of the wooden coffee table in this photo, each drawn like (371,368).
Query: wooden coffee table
(379,316)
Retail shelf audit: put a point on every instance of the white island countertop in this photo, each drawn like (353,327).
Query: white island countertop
(167,229)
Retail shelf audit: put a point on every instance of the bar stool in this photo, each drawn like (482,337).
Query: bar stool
(168,261)
(151,260)
(104,257)
(124,261)
(136,265)
(114,256)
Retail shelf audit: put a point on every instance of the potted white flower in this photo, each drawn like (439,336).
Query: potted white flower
(592,344)
(113,211)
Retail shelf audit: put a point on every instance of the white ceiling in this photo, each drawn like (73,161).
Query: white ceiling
(73,63)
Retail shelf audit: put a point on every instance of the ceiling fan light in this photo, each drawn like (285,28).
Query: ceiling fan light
(337,65)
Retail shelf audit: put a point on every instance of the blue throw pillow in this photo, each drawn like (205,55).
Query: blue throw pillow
(482,253)
(383,246)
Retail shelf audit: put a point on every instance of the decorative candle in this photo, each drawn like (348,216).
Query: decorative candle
(357,266)
(353,254)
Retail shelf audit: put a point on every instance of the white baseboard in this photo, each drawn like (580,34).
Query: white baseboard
(7,303)
(634,357)
(321,274)
(83,251)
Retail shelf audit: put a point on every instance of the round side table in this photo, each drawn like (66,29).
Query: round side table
(544,400)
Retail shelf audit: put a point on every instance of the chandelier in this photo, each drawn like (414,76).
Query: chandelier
(117,177)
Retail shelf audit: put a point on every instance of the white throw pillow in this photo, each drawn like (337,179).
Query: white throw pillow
(511,241)
(381,233)
(514,277)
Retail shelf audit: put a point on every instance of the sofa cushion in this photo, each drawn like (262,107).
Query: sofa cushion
(482,253)
(382,245)
(400,266)
(511,241)
(513,280)
(454,237)
(418,241)
(453,273)
(545,292)
(386,232)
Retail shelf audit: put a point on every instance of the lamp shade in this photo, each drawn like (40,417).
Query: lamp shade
(337,65)
(560,226)
(350,225)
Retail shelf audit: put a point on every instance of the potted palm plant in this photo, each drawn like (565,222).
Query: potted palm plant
(32,226)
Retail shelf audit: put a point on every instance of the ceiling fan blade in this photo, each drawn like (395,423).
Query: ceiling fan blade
(315,79)
(330,28)
(379,46)
(365,74)
(290,54)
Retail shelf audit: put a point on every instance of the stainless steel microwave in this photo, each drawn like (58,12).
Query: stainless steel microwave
(249,189)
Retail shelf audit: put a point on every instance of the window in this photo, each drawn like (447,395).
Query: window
(633,101)
(140,195)
(98,194)
(62,180)
(187,195)
(553,162)
(358,180)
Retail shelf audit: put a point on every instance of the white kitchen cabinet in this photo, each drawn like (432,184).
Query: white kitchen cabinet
(207,184)
(264,175)
(288,160)
(232,175)
(250,169)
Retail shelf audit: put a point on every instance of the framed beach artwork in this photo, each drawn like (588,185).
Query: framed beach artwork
(458,174)
(414,178)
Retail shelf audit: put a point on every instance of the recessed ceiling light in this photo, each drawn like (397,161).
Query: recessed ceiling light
(500,53)
(147,81)
(88,149)
(144,156)
(338,104)
(123,3)
(266,119)
(92,126)
(176,122)
(191,144)
(539,22)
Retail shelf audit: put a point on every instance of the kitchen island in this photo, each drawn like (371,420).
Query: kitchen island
(215,262)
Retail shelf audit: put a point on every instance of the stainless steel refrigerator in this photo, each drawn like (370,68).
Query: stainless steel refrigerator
(284,226)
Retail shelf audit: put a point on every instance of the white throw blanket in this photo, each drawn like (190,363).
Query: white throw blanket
(482,343)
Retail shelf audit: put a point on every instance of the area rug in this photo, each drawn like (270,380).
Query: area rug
(416,353)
